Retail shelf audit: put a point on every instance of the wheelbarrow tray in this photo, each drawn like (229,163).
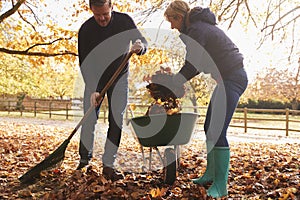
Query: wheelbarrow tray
(163,130)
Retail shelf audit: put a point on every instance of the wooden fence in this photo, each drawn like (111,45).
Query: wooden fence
(287,116)
(247,118)
(45,107)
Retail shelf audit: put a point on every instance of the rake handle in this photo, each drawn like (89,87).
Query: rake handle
(102,93)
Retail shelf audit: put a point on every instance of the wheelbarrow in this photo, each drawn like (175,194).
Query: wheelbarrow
(164,130)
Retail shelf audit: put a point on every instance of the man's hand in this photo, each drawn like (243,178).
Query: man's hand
(94,98)
(137,46)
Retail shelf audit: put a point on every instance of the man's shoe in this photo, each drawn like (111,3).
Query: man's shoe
(111,174)
(81,165)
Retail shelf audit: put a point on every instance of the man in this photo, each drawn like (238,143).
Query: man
(103,42)
(210,50)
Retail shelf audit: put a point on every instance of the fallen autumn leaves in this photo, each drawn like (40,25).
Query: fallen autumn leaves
(258,170)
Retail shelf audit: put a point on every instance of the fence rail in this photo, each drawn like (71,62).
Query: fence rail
(287,116)
(247,118)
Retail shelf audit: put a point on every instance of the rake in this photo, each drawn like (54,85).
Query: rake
(56,157)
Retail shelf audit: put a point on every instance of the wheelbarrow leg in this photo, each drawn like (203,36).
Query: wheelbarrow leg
(160,156)
(150,158)
(177,152)
(144,159)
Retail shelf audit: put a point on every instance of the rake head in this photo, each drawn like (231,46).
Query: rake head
(49,162)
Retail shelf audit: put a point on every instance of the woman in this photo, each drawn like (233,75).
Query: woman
(210,50)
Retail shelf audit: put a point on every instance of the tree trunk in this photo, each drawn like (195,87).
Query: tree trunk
(295,104)
(194,102)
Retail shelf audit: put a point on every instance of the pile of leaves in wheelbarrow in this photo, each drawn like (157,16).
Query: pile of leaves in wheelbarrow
(258,170)
(166,95)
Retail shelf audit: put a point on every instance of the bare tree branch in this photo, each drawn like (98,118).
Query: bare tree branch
(271,33)
(44,54)
(235,8)
(25,20)
(269,30)
(47,43)
(234,14)
(293,42)
(225,10)
(34,15)
(280,19)
(249,13)
(12,10)
(17,52)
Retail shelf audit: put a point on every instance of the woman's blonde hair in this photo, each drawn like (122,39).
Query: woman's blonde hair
(177,7)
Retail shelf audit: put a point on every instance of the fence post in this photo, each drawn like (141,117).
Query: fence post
(34,108)
(245,119)
(8,105)
(50,107)
(67,111)
(126,113)
(104,115)
(287,122)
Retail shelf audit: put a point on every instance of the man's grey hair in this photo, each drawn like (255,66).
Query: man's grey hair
(99,2)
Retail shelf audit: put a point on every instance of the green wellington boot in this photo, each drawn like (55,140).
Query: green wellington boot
(208,175)
(219,186)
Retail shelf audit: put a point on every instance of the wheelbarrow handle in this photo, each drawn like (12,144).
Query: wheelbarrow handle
(103,91)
